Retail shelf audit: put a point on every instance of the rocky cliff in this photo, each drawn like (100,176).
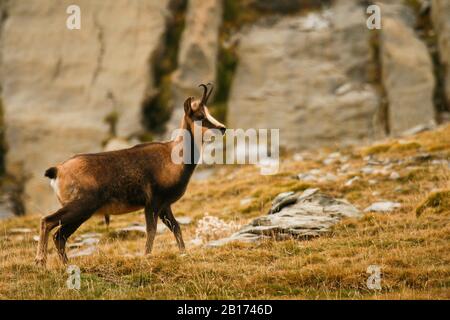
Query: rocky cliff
(441,22)
(310,68)
(197,58)
(307,76)
(59,85)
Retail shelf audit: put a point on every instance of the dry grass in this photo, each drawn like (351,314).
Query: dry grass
(413,252)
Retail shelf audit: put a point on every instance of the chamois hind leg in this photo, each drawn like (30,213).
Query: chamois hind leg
(69,214)
(151,221)
(62,235)
(171,223)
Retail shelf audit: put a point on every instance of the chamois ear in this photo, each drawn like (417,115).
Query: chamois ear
(187,106)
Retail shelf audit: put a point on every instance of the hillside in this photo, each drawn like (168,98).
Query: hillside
(410,244)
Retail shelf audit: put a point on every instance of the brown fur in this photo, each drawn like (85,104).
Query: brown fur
(118,182)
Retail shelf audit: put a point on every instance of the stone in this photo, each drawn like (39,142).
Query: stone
(58,85)
(308,192)
(329,161)
(349,182)
(394,176)
(316,175)
(183,220)
(282,196)
(328,177)
(407,72)
(203,174)
(82,252)
(16,231)
(307,177)
(91,241)
(84,241)
(246,201)
(298,157)
(384,206)
(294,67)
(311,215)
(90,235)
(136,231)
(440,16)
(197,56)
(418,129)
(440,162)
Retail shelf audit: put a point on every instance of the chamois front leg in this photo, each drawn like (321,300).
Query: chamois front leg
(171,223)
(151,220)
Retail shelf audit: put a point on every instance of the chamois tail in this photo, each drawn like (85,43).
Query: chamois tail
(51,173)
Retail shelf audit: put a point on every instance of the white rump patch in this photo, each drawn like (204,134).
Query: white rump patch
(55,185)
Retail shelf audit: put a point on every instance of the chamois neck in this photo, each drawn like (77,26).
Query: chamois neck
(192,148)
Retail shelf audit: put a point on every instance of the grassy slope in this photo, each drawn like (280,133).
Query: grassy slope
(413,252)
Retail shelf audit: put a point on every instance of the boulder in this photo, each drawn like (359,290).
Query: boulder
(197,57)
(300,216)
(58,85)
(440,13)
(306,75)
(407,71)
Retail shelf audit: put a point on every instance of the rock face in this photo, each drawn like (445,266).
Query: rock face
(198,54)
(306,75)
(59,84)
(407,72)
(10,198)
(440,10)
(295,216)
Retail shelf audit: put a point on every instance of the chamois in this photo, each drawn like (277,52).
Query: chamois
(123,181)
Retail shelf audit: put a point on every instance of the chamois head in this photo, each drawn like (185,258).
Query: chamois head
(196,111)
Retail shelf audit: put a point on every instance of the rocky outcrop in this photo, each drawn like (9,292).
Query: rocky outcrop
(197,55)
(59,84)
(10,197)
(306,75)
(298,216)
(407,71)
(440,11)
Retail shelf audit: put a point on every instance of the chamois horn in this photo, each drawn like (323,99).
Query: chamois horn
(205,93)
(210,91)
